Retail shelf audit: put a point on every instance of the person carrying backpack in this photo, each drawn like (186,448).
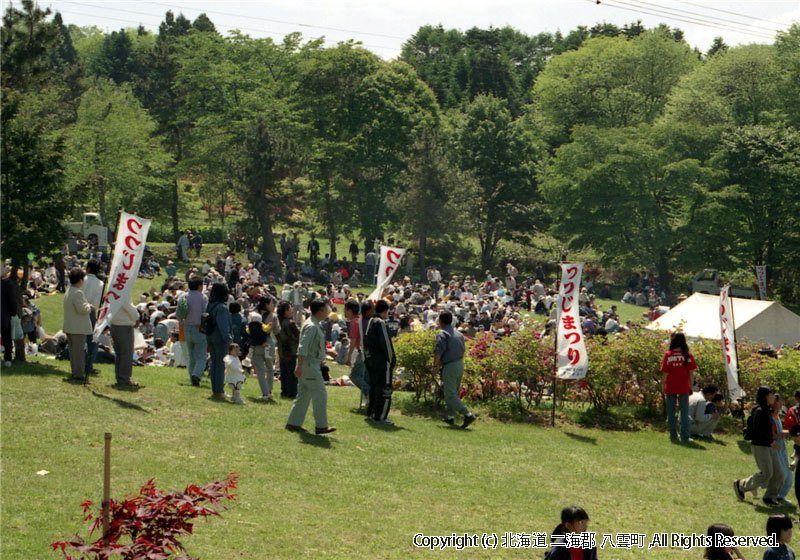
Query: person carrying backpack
(759,431)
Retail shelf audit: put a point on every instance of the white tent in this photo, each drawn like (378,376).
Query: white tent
(755,320)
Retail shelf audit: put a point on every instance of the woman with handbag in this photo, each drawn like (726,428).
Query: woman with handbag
(216,324)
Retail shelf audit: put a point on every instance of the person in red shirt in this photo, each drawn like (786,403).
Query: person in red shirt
(677,367)
(355,353)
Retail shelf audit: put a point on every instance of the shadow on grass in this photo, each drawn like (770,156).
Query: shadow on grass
(583,439)
(744,446)
(121,403)
(33,368)
(408,407)
(315,440)
(761,507)
(257,400)
(386,427)
(127,388)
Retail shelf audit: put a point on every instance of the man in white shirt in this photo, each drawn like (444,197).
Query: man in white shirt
(435,278)
(612,324)
(93,290)
(703,411)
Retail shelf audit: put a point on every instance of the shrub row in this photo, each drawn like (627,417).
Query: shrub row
(623,370)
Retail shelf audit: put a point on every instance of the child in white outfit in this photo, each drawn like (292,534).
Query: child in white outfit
(234,374)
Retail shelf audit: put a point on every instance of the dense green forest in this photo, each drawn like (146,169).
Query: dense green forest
(623,141)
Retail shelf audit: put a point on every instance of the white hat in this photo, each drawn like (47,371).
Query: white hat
(254,317)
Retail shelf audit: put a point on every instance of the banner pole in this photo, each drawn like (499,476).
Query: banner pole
(555,356)
(736,353)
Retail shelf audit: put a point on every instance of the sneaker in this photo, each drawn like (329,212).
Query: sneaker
(737,487)
(450,421)
(468,420)
(386,422)
(327,430)
(237,400)
(293,428)
(783,501)
(770,501)
(689,440)
(265,398)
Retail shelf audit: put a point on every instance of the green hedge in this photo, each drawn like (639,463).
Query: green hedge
(623,370)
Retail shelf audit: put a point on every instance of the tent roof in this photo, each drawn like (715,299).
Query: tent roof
(756,320)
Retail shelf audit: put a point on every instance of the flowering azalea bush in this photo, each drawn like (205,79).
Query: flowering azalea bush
(783,374)
(147,526)
(415,355)
(624,370)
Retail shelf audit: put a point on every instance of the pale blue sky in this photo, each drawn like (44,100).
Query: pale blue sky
(382,26)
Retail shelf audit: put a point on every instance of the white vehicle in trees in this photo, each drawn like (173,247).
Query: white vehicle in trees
(709,282)
(91,228)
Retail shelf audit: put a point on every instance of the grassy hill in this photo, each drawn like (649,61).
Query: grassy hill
(362,492)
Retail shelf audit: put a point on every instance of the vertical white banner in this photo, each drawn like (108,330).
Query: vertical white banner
(573,362)
(390,258)
(727,328)
(761,274)
(128,251)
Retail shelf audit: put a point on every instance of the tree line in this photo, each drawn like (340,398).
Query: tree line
(623,140)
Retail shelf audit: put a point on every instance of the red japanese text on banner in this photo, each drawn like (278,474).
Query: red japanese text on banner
(390,260)
(761,274)
(727,330)
(128,251)
(573,361)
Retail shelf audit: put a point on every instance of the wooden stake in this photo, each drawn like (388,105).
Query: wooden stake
(106,484)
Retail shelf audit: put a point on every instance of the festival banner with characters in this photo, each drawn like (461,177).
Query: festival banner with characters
(573,362)
(390,260)
(729,343)
(128,251)
(761,274)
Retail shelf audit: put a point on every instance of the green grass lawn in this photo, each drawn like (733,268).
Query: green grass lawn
(362,492)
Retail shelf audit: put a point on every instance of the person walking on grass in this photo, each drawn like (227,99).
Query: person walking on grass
(234,374)
(380,360)
(311,386)
(191,310)
(677,367)
(780,438)
(760,429)
(448,354)
(288,338)
(218,338)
